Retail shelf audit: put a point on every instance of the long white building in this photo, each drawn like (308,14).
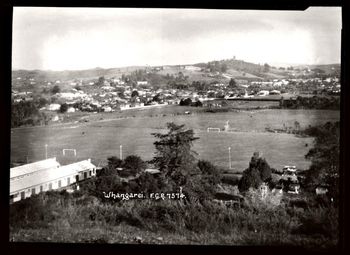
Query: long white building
(50,179)
(28,169)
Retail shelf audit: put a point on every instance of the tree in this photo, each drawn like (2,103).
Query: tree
(249,179)
(174,156)
(56,89)
(157,98)
(266,68)
(134,164)
(111,168)
(114,162)
(42,102)
(23,113)
(209,171)
(77,87)
(63,108)
(135,93)
(297,125)
(232,83)
(223,68)
(185,102)
(100,81)
(324,156)
(197,104)
(259,171)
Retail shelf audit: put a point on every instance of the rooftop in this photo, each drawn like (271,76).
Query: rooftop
(33,167)
(48,175)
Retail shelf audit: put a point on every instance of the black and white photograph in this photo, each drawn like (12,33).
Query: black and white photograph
(175,126)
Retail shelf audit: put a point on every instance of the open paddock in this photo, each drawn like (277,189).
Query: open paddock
(100,139)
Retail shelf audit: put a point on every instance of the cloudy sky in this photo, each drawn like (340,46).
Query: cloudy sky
(81,38)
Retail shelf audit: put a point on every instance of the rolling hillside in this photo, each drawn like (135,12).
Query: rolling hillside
(220,71)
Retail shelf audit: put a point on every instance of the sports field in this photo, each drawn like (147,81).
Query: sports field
(99,139)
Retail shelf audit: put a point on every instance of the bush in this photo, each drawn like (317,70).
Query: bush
(134,164)
(63,108)
(319,221)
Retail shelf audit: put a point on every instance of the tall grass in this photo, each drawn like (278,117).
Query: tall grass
(253,224)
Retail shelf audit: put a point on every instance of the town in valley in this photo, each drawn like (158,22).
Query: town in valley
(223,152)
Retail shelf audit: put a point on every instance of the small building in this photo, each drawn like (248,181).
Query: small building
(142,82)
(294,188)
(152,171)
(278,189)
(53,107)
(228,199)
(71,109)
(107,109)
(263,93)
(263,190)
(50,179)
(192,68)
(321,190)
(275,92)
(55,118)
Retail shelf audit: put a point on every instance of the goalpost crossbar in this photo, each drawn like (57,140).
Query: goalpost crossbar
(73,150)
(213,129)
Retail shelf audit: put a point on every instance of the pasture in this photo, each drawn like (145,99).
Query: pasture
(100,139)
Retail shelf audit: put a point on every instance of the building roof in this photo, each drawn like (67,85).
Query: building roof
(48,175)
(152,171)
(33,167)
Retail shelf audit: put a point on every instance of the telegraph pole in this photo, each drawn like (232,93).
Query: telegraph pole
(229,156)
(121,152)
(45,151)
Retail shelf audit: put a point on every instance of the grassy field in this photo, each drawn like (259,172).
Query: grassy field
(101,138)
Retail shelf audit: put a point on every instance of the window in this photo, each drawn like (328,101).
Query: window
(23,195)
(77,178)
(85,175)
(33,191)
(89,173)
(41,188)
(59,183)
(93,171)
(68,181)
(50,186)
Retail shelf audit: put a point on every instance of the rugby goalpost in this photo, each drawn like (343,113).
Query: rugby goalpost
(213,129)
(73,150)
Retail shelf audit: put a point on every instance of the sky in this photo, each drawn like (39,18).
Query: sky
(83,38)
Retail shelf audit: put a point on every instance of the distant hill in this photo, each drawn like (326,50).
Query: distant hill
(74,74)
(221,70)
(328,69)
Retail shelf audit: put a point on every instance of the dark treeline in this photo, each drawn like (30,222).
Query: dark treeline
(27,113)
(315,102)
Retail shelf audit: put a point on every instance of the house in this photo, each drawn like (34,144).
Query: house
(107,109)
(55,118)
(142,82)
(152,171)
(278,189)
(228,199)
(192,68)
(263,93)
(50,179)
(263,190)
(53,107)
(275,92)
(69,95)
(294,188)
(321,190)
(71,109)
(28,169)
